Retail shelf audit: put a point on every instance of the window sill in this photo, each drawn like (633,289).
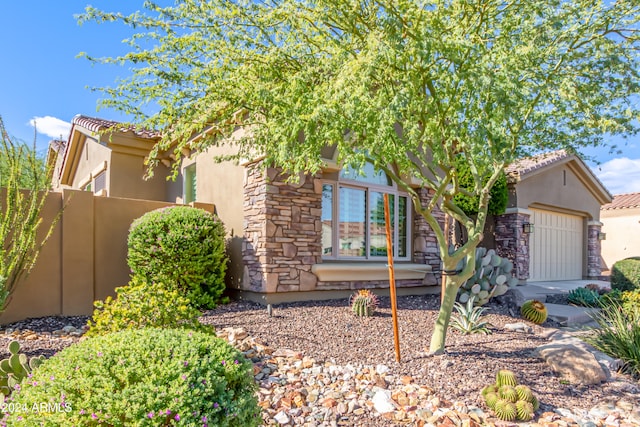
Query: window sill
(358,271)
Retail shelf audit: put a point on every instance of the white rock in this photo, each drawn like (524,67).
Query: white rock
(281,417)
(382,401)
(382,369)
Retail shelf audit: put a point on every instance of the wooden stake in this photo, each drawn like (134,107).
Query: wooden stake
(392,280)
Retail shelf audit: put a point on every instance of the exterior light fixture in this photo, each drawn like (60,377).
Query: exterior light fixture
(602,236)
(527,228)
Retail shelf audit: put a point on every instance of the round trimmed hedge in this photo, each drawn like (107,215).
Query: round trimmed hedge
(183,247)
(144,377)
(625,274)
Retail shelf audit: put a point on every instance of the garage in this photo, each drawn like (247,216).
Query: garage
(556,246)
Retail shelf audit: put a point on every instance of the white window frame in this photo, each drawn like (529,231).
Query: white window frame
(368,188)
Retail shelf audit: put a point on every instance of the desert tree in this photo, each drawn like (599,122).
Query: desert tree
(412,86)
(24,185)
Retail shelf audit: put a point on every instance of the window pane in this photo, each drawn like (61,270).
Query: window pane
(352,211)
(377,233)
(366,174)
(402,227)
(190,183)
(100,182)
(327,219)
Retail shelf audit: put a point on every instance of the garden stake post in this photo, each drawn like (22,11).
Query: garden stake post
(392,280)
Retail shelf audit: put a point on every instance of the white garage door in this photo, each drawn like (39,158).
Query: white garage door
(556,247)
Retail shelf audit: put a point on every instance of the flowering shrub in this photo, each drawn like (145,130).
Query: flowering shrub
(141,304)
(147,377)
(182,247)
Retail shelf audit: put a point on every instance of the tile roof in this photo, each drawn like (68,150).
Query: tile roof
(58,145)
(96,125)
(529,164)
(623,201)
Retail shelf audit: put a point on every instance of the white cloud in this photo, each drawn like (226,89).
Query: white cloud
(51,126)
(620,175)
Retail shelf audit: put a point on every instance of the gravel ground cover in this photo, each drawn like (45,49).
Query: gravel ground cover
(329,333)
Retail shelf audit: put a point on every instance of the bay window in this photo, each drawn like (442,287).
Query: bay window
(353,225)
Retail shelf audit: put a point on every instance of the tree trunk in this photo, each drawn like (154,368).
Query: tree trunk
(444,315)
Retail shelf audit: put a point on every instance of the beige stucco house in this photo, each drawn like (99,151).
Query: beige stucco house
(324,235)
(621,219)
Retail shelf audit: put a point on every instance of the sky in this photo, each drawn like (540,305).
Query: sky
(43,81)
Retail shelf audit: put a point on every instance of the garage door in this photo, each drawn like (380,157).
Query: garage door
(556,247)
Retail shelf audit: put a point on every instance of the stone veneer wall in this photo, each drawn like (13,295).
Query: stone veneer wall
(282,232)
(594,269)
(425,245)
(283,236)
(512,242)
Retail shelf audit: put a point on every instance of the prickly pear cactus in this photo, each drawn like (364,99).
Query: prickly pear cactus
(492,278)
(16,368)
(364,303)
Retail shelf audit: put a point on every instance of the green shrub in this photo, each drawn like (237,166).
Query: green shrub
(584,297)
(631,303)
(183,247)
(625,274)
(146,377)
(141,304)
(618,336)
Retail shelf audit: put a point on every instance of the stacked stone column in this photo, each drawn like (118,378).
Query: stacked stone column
(511,240)
(594,268)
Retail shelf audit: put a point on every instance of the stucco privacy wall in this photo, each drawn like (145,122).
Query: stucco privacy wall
(282,242)
(85,258)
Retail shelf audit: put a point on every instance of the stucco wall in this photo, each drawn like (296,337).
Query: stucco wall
(85,258)
(550,189)
(91,156)
(127,178)
(622,227)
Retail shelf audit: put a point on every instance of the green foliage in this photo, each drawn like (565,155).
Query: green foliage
(364,303)
(509,400)
(409,86)
(146,377)
(625,274)
(15,368)
(25,185)
(469,201)
(631,303)
(584,297)
(491,278)
(141,304)
(534,311)
(618,336)
(468,319)
(183,248)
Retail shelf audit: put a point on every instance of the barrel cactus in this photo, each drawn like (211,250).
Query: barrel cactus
(509,400)
(534,311)
(492,277)
(364,303)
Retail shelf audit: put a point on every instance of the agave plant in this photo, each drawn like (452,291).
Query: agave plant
(468,319)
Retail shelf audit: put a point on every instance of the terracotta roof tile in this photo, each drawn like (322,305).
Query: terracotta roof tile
(623,201)
(529,164)
(96,125)
(58,145)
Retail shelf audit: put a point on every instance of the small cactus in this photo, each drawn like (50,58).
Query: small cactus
(534,311)
(508,392)
(506,410)
(508,400)
(364,303)
(506,377)
(16,368)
